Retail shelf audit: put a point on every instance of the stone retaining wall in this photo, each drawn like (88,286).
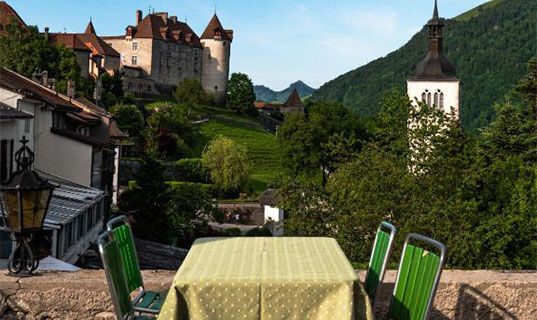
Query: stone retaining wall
(84,295)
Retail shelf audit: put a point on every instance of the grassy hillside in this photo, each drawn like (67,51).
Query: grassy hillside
(489,46)
(262,148)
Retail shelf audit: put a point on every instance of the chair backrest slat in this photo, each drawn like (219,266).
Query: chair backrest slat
(129,259)
(379,258)
(114,274)
(417,280)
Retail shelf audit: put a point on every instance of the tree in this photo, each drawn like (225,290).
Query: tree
(129,119)
(192,93)
(169,132)
(299,144)
(527,87)
(26,50)
(227,163)
(240,94)
(148,201)
(304,139)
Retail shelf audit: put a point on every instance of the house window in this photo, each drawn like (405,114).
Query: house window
(6,159)
(5,245)
(26,125)
(58,120)
(135,46)
(134,60)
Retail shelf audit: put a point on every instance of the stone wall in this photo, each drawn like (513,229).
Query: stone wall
(84,295)
(164,62)
(216,55)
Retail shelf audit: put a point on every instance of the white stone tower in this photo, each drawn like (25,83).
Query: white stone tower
(216,43)
(435,81)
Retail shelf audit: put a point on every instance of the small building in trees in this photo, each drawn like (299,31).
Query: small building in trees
(293,103)
(435,81)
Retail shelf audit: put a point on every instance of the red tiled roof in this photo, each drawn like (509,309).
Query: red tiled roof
(88,41)
(93,107)
(115,132)
(70,40)
(90,29)
(294,100)
(266,105)
(97,45)
(18,83)
(156,26)
(7,13)
(216,26)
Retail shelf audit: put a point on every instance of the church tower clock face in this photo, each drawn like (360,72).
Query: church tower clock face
(435,80)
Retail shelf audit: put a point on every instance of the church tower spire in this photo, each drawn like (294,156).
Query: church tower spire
(435,80)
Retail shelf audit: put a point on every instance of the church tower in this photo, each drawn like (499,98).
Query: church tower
(435,81)
(216,43)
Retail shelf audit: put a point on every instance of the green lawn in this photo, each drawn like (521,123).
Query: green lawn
(261,146)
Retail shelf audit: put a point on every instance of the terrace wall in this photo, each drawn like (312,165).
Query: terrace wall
(84,295)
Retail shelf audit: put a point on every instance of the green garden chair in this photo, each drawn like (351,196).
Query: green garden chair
(417,278)
(380,255)
(117,282)
(144,301)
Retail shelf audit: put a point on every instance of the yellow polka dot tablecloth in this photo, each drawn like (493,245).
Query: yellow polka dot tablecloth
(266,279)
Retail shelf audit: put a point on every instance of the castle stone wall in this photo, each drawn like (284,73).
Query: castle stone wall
(216,55)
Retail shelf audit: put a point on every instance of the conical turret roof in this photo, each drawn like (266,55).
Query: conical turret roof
(90,29)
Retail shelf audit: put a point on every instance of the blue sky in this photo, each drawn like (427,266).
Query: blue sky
(276,41)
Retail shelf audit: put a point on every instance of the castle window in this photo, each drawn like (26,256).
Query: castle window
(435,103)
(442,100)
(135,46)
(134,60)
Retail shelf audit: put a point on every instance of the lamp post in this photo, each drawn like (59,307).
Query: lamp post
(26,199)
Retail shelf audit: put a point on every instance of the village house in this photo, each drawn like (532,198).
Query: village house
(158,51)
(293,104)
(74,145)
(94,55)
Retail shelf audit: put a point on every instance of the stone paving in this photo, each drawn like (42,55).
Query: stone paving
(84,295)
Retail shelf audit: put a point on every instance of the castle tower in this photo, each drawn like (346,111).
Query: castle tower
(216,43)
(435,81)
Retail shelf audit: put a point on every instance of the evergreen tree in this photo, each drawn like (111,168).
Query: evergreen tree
(148,201)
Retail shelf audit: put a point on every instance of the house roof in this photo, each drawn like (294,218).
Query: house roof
(266,105)
(294,100)
(269,197)
(213,27)
(7,13)
(9,113)
(30,89)
(87,41)
(70,40)
(90,29)
(115,132)
(156,26)
(92,107)
(69,200)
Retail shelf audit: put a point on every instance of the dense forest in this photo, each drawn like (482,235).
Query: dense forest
(489,46)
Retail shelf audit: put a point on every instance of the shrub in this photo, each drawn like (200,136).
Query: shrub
(191,170)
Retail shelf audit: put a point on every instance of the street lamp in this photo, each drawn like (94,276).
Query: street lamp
(26,199)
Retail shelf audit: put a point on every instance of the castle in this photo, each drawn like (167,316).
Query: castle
(435,81)
(159,51)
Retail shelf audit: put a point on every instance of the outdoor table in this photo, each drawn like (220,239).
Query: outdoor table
(266,278)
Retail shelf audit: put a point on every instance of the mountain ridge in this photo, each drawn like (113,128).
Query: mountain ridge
(489,47)
(266,94)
